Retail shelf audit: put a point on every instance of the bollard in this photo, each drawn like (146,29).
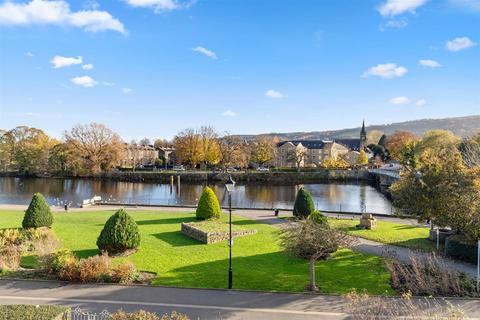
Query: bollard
(276,212)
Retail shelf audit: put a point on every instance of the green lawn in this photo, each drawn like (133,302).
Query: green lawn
(258,262)
(388,232)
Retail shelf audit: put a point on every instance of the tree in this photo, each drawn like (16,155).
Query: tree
(210,147)
(145,142)
(120,233)
(334,163)
(397,142)
(263,150)
(208,206)
(38,213)
(438,140)
(25,149)
(234,152)
(95,145)
(362,158)
(438,187)
(188,147)
(309,240)
(470,150)
(303,206)
(378,151)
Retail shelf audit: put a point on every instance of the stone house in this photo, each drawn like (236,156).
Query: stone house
(134,155)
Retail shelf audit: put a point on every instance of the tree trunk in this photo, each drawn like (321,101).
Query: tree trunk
(312,286)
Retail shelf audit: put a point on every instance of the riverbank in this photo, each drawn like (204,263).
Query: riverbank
(287,177)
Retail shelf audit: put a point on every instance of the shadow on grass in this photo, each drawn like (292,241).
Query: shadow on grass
(422,244)
(278,271)
(85,253)
(165,221)
(176,239)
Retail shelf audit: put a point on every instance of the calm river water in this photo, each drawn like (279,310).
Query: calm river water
(328,196)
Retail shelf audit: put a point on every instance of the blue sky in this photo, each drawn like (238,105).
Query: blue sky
(154,67)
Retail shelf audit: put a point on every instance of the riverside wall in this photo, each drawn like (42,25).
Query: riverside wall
(244,177)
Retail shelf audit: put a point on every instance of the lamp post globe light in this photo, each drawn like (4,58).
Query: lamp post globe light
(230,185)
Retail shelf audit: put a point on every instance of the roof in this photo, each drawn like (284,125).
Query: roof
(353,144)
(309,144)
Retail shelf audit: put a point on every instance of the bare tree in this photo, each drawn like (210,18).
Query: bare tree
(145,142)
(470,150)
(310,240)
(98,146)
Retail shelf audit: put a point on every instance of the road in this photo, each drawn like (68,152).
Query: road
(196,303)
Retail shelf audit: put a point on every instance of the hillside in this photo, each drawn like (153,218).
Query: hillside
(462,126)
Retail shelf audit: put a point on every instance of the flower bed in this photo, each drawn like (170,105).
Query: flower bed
(213,231)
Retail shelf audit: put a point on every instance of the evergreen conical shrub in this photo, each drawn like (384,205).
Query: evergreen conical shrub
(208,207)
(38,213)
(119,234)
(303,204)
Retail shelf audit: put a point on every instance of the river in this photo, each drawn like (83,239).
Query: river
(351,197)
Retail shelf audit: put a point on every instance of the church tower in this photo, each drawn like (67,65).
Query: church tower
(363,137)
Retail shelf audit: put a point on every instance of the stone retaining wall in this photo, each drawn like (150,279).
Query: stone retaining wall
(211,237)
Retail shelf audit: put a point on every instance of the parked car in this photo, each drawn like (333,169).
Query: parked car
(263,169)
(231,169)
(178,168)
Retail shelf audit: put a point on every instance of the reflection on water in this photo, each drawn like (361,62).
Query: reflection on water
(330,196)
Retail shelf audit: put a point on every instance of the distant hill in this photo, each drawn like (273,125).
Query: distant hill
(462,126)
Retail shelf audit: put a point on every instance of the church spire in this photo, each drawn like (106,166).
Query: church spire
(363,136)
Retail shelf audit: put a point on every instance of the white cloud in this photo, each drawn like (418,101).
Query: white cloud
(392,8)
(386,71)
(230,113)
(400,100)
(29,54)
(87,66)
(274,94)
(161,5)
(473,5)
(421,102)
(108,84)
(205,51)
(84,81)
(57,12)
(429,63)
(127,90)
(61,62)
(401,23)
(459,44)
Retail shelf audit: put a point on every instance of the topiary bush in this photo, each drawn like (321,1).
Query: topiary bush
(458,247)
(318,218)
(119,234)
(208,207)
(38,213)
(303,204)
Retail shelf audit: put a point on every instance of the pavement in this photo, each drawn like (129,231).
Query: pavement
(196,303)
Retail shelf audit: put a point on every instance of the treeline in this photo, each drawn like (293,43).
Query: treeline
(94,148)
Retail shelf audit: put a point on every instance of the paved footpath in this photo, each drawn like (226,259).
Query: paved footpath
(196,303)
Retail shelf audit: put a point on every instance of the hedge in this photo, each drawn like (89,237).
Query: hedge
(458,247)
(38,213)
(208,206)
(119,234)
(303,206)
(31,312)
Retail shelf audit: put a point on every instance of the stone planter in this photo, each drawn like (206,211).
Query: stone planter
(191,231)
(442,234)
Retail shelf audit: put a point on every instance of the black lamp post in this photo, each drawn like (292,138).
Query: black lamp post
(230,185)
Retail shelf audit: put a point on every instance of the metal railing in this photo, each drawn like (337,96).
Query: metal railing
(78,314)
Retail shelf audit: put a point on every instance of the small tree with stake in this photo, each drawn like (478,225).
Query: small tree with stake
(310,240)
